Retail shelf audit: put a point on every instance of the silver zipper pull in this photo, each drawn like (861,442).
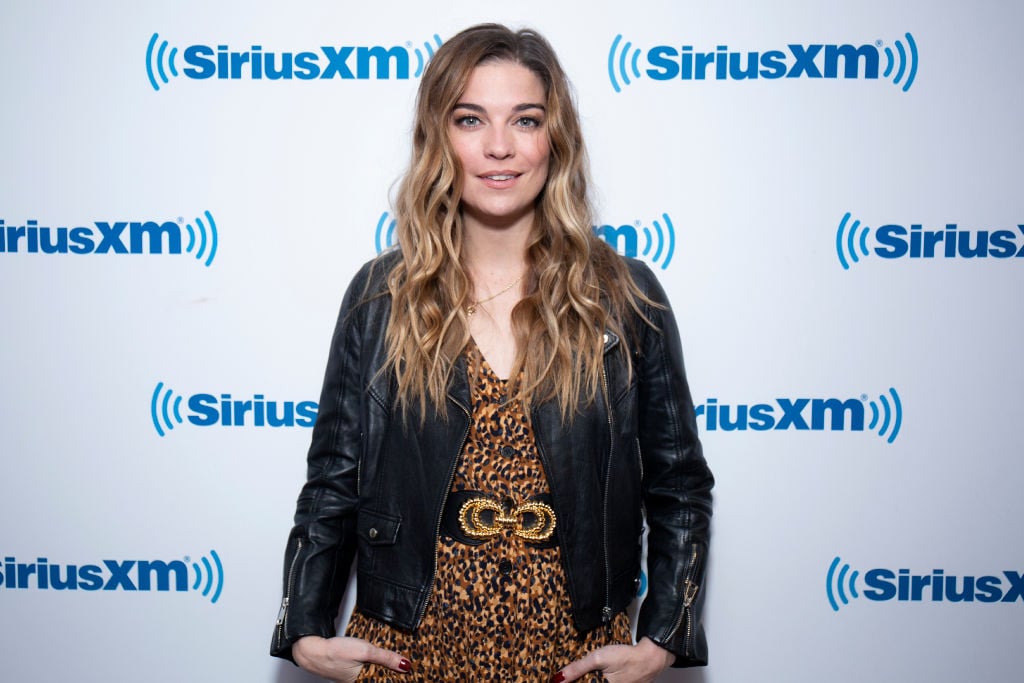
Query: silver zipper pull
(280,613)
(690,592)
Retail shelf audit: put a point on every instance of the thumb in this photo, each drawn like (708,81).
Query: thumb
(386,658)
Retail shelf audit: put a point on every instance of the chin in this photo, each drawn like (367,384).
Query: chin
(499,215)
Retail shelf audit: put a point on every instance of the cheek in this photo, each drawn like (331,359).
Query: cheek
(462,147)
(542,154)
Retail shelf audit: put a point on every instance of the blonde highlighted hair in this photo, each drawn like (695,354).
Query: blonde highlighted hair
(576,287)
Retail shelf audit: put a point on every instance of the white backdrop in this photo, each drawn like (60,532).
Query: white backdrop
(861,420)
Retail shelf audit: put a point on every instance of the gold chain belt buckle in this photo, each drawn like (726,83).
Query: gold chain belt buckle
(532,521)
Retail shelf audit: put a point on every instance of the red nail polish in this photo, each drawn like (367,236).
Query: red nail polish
(558,677)
(405,666)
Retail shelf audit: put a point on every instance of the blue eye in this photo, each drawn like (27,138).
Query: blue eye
(528,122)
(468,120)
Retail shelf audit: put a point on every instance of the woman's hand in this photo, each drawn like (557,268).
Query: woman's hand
(341,659)
(640,663)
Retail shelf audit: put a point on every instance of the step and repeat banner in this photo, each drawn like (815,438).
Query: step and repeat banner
(830,193)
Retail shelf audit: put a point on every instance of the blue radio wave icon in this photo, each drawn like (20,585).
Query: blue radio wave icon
(155,62)
(656,242)
(886,416)
(209,575)
(203,238)
(851,241)
(428,50)
(622,59)
(841,583)
(663,242)
(384,237)
(164,409)
(904,62)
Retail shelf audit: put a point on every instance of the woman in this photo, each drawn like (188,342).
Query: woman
(504,399)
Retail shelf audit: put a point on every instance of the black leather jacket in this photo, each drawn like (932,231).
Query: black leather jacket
(377,486)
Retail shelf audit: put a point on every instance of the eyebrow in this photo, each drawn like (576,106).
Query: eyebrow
(517,108)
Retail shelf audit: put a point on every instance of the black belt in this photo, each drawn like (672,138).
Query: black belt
(473,518)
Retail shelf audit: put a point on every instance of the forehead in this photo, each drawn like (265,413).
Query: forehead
(503,83)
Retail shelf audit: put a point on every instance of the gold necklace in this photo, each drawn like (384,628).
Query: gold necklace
(471,308)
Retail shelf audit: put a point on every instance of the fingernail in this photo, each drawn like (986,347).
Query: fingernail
(405,666)
(558,677)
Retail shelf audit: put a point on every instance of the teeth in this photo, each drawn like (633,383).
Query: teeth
(500,177)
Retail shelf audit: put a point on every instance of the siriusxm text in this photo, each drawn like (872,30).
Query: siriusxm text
(102,237)
(345,62)
(623,238)
(835,414)
(109,575)
(896,241)
(795,61)
(885,584)
(209,410)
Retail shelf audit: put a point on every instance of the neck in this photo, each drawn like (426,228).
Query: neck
(492,254)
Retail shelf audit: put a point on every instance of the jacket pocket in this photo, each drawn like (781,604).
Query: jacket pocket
(377,528)
(377,533)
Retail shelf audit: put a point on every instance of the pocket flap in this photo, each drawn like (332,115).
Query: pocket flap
(377,528)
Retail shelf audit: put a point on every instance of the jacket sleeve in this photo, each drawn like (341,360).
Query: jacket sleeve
(676,487)
(322,544)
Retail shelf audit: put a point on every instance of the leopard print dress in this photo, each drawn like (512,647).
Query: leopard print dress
(499,610)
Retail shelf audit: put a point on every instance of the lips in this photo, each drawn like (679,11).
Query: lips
(499,180)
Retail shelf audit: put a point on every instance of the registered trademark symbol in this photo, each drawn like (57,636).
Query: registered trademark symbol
(636,223)
(863,397)
(408,43)
(180,219)
(188,559)
(878,43)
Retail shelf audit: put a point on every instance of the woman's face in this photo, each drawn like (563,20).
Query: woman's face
(498,131)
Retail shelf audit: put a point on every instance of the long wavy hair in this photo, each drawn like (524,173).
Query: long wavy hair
(576,286)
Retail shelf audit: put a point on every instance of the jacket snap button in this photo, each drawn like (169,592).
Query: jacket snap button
(373,533)
(508,451)
(505,567)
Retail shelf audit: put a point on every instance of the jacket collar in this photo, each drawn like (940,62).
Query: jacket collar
(611,340)
(458,387)
(458,384)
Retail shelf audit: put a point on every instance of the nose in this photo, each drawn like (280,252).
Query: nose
(498,143)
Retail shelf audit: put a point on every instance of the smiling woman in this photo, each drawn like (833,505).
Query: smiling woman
(498,134)
(496,386)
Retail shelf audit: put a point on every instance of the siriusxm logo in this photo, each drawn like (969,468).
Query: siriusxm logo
(668,62)
(203,577)
(893,241)
(209,410)
(814,414)
(326,62)
(654,242)
(883,585)
(114,237)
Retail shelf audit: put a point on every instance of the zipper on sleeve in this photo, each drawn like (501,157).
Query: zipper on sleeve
(282,614)
(690,590)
